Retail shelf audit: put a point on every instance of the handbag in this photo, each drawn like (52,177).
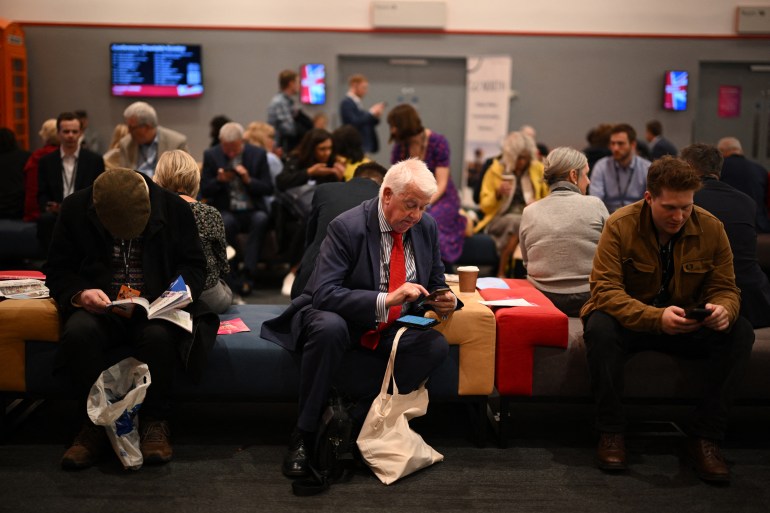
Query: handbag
(387,444)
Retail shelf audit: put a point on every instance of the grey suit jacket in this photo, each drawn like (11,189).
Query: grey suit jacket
(128,150)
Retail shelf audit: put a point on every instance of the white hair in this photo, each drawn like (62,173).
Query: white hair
(410,171)
(729,145)
(143,112)
(514,145)
(231,132)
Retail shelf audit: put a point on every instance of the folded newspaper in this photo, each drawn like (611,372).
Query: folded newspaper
(167,307)
(23,289)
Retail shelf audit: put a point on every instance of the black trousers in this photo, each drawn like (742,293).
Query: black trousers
(609,346)
(89,343)
(327,342)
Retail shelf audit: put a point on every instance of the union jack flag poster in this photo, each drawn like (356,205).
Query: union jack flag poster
(313,84)
(676,90)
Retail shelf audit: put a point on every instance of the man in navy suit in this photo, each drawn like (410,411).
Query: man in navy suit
(353,113)
(659,145)
(60,173)
(235,180)
(347,302)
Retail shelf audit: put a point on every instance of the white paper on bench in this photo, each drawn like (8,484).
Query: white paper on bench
(508,302)
(491,283)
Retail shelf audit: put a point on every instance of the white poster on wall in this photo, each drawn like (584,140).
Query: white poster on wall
(487,110)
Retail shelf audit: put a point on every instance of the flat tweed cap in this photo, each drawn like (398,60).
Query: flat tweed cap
(122,202)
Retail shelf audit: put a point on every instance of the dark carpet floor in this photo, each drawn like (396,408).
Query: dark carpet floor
(227,458)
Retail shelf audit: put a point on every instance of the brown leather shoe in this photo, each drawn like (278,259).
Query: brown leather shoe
(611,451)
(708,461)
(155,441)
(87,448)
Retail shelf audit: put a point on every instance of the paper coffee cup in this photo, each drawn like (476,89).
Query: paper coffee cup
(467,276)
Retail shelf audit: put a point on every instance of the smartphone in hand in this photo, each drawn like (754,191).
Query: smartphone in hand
(699,314)
(433,295)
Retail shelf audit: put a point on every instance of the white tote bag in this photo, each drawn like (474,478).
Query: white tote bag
(388,445)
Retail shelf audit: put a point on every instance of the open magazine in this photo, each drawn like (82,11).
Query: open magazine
(167,307)
(23,289)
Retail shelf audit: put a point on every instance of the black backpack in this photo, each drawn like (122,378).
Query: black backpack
(332,458)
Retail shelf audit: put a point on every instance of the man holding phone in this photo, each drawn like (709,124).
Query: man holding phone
(663,280)
(375,262)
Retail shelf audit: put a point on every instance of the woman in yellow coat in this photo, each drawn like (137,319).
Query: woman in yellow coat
(510,184)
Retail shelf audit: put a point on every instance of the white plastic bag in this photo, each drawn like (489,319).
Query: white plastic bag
(114,402)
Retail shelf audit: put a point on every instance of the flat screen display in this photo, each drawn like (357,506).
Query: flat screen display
(312,84)
(675,92)
(156,70)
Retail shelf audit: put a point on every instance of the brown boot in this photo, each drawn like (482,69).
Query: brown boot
(87,448)
(708,461)
(155,441)
(611,451)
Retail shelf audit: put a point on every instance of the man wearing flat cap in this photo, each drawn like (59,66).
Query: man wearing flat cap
(122,237)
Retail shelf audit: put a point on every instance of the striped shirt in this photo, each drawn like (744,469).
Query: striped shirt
(386,246)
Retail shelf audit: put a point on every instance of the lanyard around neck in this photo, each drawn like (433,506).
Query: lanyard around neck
(622,195)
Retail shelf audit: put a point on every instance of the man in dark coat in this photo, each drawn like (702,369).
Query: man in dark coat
(235,180)
(747,176)
(329,201)
(353,113)
(737,212)
(122,237)
(60,173)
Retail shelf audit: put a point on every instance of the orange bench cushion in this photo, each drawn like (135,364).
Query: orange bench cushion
(22,320)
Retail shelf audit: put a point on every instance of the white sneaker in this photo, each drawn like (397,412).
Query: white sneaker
(288,281)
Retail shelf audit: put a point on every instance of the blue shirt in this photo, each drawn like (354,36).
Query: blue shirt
(616,185)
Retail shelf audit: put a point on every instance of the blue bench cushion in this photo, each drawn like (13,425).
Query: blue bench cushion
(241,366)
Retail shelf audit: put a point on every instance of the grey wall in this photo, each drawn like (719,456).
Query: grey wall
(565,85)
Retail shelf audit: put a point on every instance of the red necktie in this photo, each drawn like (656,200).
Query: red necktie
(397,277)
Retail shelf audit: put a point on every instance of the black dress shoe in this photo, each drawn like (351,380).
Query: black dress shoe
(295,461)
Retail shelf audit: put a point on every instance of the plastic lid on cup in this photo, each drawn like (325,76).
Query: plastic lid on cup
(468,269)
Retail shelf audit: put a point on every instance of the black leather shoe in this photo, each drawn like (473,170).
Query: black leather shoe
(295,460)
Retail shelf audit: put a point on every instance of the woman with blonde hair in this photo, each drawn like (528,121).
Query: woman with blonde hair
(559,233)
(50,137)
(262,134)
(512,182)
(178,172)
(120,131)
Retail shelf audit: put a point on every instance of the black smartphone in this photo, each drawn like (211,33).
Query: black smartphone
(433,295)
(413,321)
(699,314)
